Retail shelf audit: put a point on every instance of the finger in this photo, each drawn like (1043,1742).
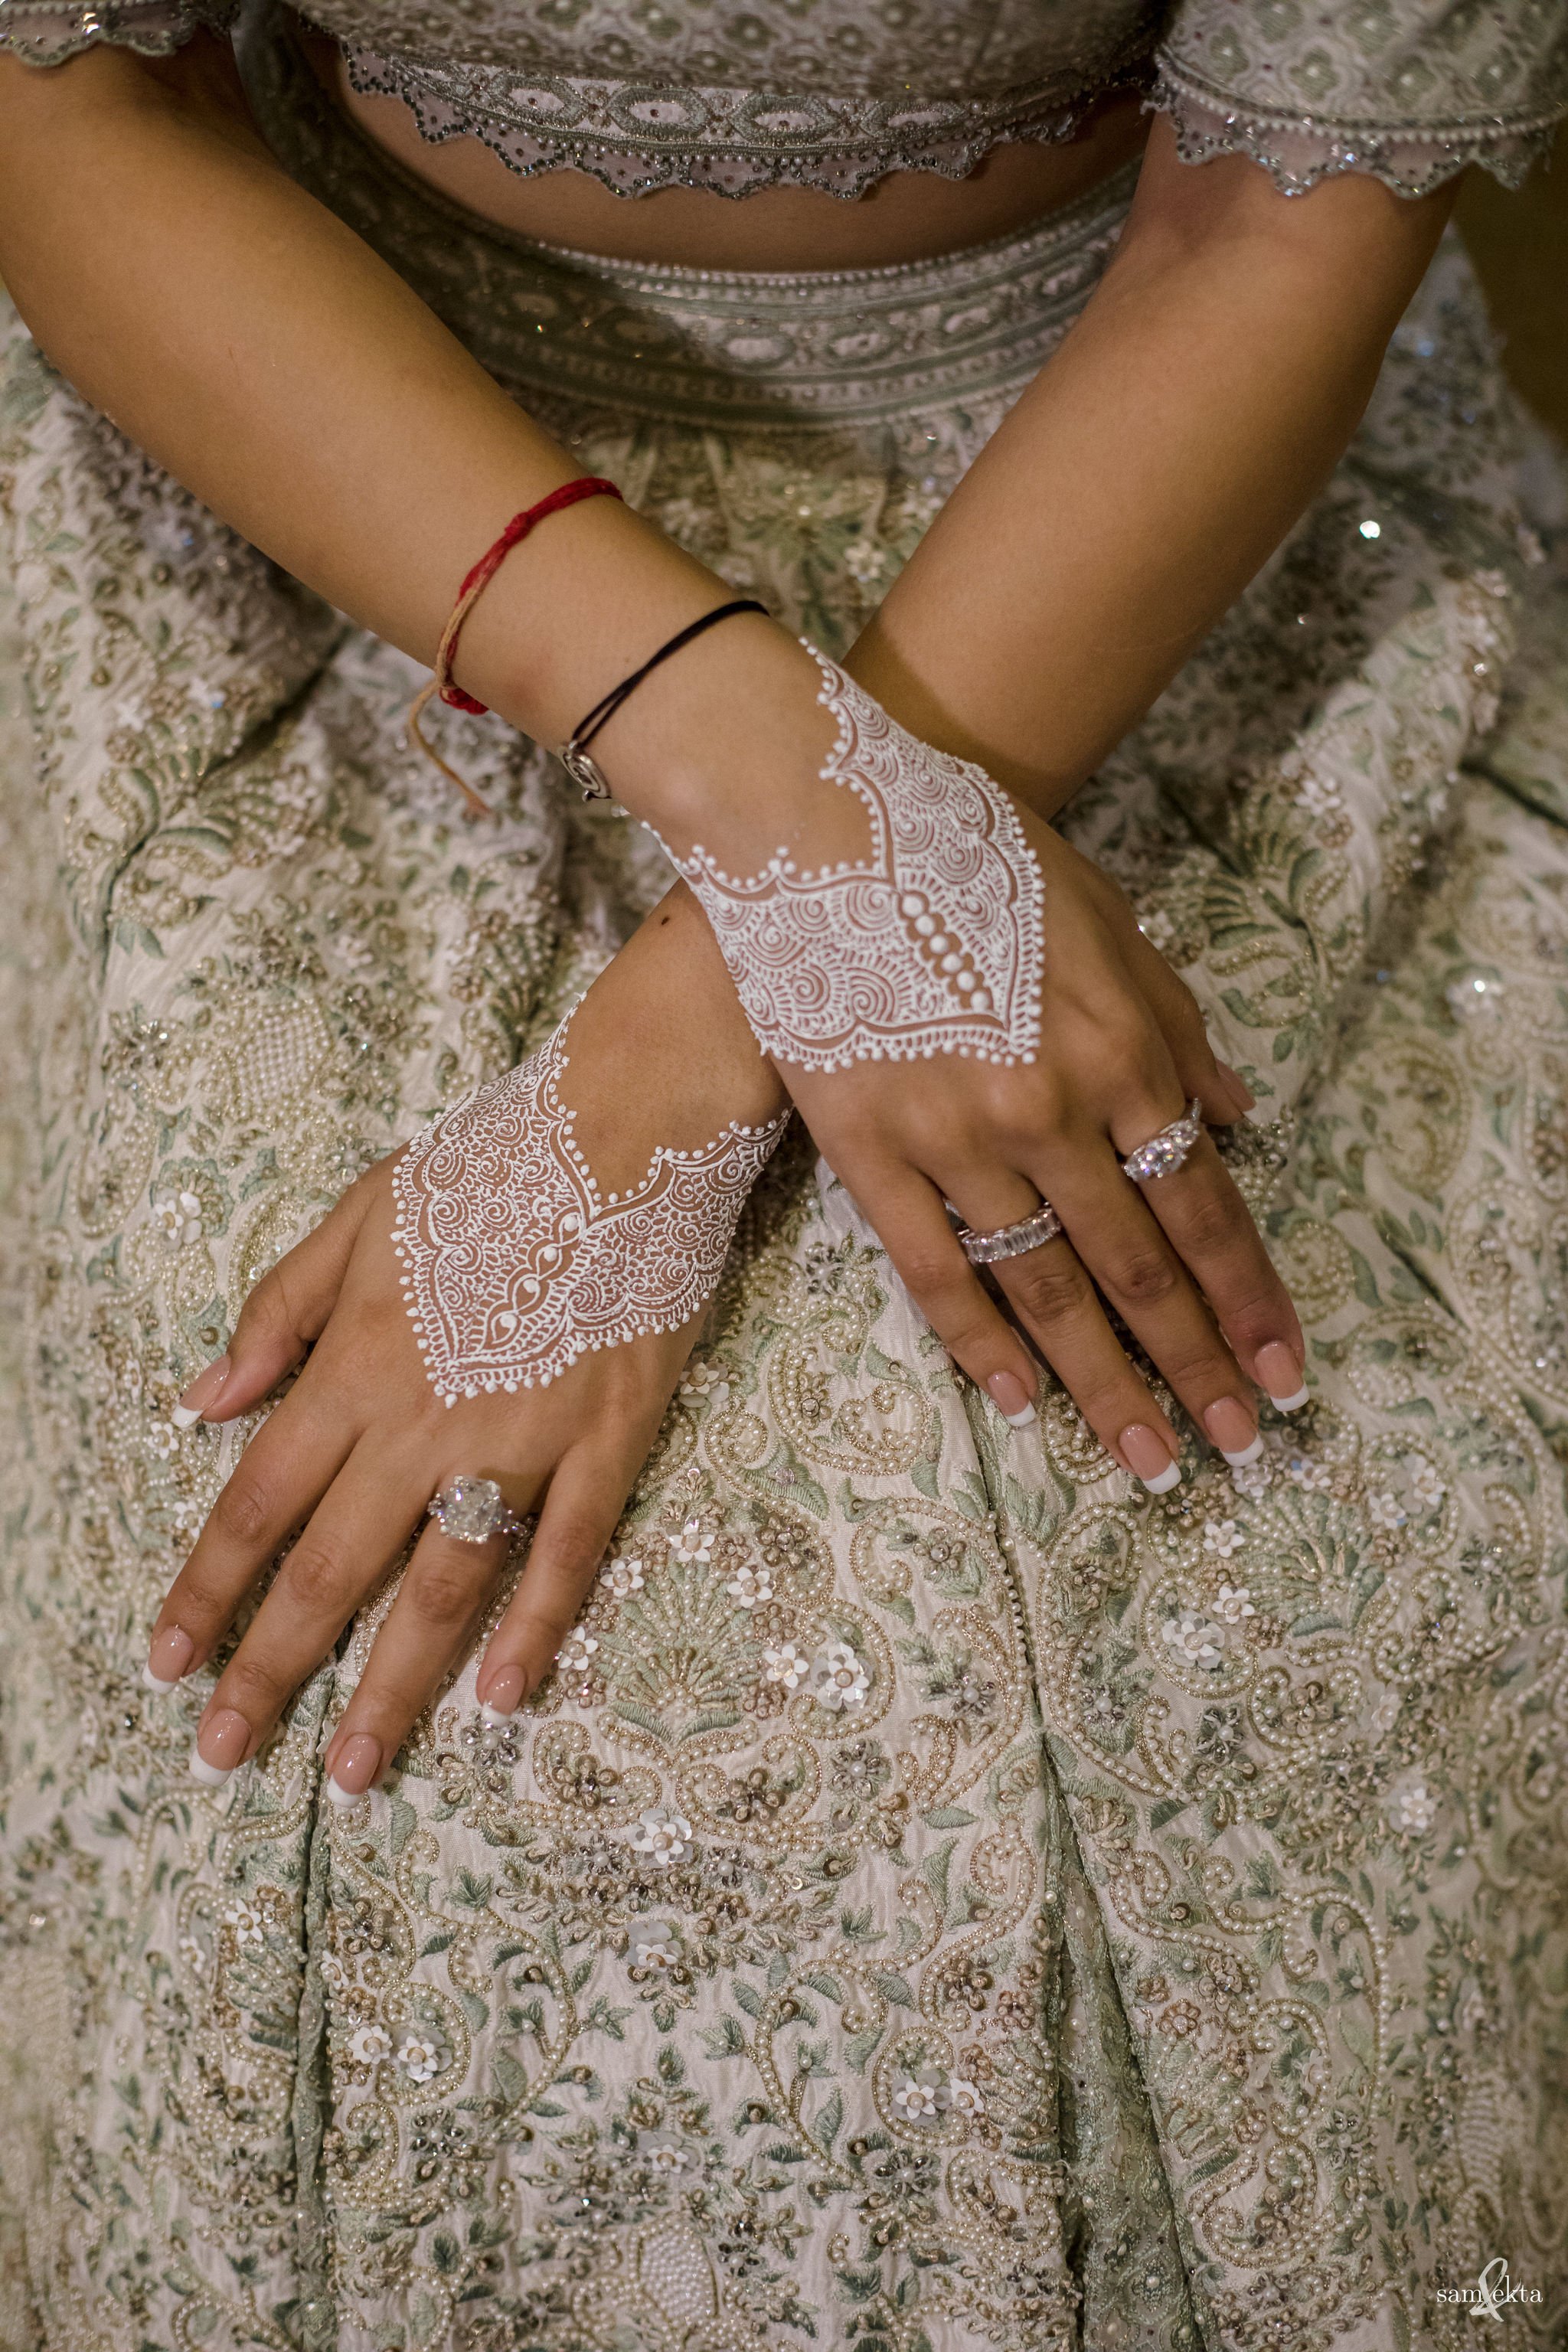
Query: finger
(1211,1229)
(285,1312)
(444,1590)
(1139,1272)
(343,1551)
(1222,1093)
(586,1497)
(282,1476)
(907,1211)
(1050,1292)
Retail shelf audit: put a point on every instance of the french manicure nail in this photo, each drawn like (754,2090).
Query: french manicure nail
(1149,1457)
(220,1746)
(358,1762)
(202,1392)
(504,1696)
(1233,1431)
(1281,1375)
(167,1659)
(1012,1398)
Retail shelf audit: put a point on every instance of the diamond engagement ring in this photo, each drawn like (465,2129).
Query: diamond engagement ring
(1041,1225)
(472,1510)
(1166,1152)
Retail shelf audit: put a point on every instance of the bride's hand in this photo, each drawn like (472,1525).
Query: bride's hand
(349,1460)
(1122,1050)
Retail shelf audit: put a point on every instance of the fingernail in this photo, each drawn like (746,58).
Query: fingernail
(1281,1375)
(167,1659)
(358,1762)
(220,1745)
(1241,1092)
(1012,1398)
(202,1392)
(1149,1457)
(504,1695)
(1233,1431)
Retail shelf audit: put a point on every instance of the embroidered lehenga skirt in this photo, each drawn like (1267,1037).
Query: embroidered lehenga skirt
(1163,1943)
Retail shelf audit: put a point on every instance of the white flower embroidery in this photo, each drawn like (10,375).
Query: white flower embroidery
(180,1216)
(1252,1480)
(864,560)
(838,1679)
(1234,1604)
(1312,1476)
(965,2097)
(249,1927)
(578,1655)
(421,2056)
(691,1543)
(704,1382)
(786,1665)
(161,1436)
(663,1836)
(665,2155)
(1195,1640)
(1222,1535)
(370,2045)
(1383,1510)
(623,1577)
(1415,1809)
(749,1585)
(1318,795)
(921,2098)
(654,1948)
(1426,1484)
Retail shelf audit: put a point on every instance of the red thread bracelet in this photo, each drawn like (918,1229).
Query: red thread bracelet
(587,486)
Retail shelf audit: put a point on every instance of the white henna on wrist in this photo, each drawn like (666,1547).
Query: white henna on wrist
(930,945)
(516,1264)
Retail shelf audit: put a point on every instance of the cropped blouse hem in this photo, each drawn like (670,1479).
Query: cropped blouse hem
(1298,151)
(635,139)
(42,35)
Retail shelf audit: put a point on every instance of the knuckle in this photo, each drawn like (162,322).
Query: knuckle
(1052,1290)
(1143,1277)
(443,1591)
(243,1512)
(577,1544)
(931,1274)
(196,1602)
(317,1576)
(251,1686)
(1211,1223)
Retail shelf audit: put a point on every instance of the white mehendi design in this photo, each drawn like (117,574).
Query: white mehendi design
(930,945)
(516,1264)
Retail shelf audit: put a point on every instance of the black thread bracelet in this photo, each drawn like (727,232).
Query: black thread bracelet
(574,755)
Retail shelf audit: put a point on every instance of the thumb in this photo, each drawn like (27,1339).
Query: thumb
(285,1312)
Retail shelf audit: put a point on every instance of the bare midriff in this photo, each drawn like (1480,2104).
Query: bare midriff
(907,217)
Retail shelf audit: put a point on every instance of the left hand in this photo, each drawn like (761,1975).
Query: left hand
(351,1457)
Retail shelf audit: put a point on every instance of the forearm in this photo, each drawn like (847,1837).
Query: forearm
(1198,405)
(245,336)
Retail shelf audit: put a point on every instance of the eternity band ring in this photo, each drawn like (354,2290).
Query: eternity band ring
(472,1510)
(1042,1225)
(1166,1152)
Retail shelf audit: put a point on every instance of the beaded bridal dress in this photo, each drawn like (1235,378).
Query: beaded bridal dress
(946,1897)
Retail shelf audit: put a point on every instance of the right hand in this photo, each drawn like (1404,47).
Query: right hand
(1122,1051)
